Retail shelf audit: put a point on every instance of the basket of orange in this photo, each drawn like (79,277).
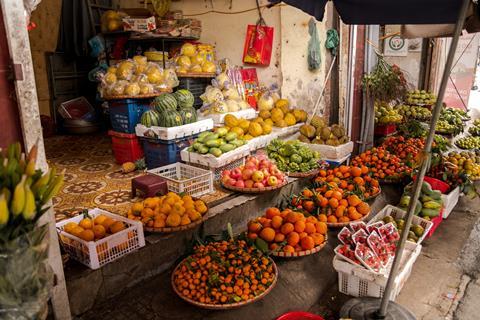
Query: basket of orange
(169,213)
(353,179)
(288,233)
(224,275)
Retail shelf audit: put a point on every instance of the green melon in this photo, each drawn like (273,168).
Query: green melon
(150,118)
(170,118)
(184,98)
(189,115)
(165,102)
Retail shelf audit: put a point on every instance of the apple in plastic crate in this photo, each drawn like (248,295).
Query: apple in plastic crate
(257,172)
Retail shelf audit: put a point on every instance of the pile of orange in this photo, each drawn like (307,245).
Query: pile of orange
(351,178)
(170,210)
(224,272)
(89,229)
(382,164)
(407,149)
(288,230)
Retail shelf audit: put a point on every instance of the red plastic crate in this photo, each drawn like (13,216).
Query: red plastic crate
(436,184)
(299,315)
(126,147)
(385,129)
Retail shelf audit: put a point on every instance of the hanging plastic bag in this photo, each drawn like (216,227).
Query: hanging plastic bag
(314,58)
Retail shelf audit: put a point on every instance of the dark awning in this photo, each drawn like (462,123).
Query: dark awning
(384,11)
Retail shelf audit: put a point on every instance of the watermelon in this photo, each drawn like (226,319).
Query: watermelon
(150,118)
(170,118)
(184,98)
(165,102)
(189,115)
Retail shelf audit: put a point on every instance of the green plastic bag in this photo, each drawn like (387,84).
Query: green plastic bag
(314,58)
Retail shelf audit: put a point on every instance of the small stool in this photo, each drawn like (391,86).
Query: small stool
(150,185)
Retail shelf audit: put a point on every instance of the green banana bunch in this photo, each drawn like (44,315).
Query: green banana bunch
(4,212)
(18,200)
(29,209)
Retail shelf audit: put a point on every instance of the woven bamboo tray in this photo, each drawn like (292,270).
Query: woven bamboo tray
(228,305)
(255,190)
(344,224)
(308,174)
(300,253)
(179,228)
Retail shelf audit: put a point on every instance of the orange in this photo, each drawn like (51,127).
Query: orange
(159,223)
(292,217)
(359,181)
(267,234)
(87,235)
(165,208)
(307,243)
(339,211)
(302,235)
(185,220)
(254,226)
(252,235)
(322,218)
(277,222)
(271,212)
(329,194)
(99,219)
(117,226)
(86,223)
(279,237)
(273,246)
(332,219)
(333,202)
(288,249)
(321,227)
(76,231)
(266,222)
(299,226)
(363,208)
(353,200)
(310,228)
(293,238)
(107,223)
(169,200)
(99,231)
(318,238)
(147,212)
(311,219)
(287,228)
(364,169)
(150,202)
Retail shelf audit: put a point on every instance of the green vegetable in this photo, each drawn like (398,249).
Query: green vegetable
(296,158)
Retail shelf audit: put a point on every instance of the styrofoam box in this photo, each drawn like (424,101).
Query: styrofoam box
(398,213)
(95,254)
(450,201)
(210,161)
(172,133)
(183,178)
(357,281)
(330,152)
(277,133)
(219,118)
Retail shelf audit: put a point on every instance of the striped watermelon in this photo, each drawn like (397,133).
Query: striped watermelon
(170,118)
(184,98)
(165,102)
(150,118)
(189,115)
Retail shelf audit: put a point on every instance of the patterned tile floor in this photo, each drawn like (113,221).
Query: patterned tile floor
(92,178)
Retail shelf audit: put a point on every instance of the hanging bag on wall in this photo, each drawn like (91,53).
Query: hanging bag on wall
(258,42)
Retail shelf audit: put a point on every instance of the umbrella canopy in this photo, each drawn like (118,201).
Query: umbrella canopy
(384,11)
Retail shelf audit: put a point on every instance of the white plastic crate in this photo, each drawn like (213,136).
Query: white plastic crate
(217,172)
(277,133)
(398,213)
(330,152)
(183,178)
(219,118)
(357,281)
(95,254)
(172,133)
(210,161)
(450,201)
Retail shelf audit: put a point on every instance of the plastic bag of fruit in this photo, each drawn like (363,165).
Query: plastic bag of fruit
(381,249)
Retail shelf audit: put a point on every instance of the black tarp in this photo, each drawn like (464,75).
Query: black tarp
(384,11)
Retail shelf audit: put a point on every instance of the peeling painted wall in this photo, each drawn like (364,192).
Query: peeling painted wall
(43,39)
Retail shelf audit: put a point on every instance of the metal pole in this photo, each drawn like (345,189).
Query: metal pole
(382,312)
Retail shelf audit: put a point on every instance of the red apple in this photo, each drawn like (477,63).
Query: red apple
(240,184)
(265,172)
(272,181)
(226,173)
(258,185)
(265,181)
(280,176)
(232,182)
(236,173)
(250,165)
(274,170)
(280,179)
(247,174)
(225,179)
(253,160)
(257,176)
(249,183)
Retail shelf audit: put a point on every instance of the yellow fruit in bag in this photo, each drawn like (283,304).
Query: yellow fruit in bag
(140,60)
(188,49)
(255,129)
(132,89)
(197,59)
(184,61)
(154,75)
(277,114)
(125,70)
(209,66)
(196,68)
(110,78)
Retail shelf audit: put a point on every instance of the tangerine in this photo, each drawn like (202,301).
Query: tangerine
(254,226)
(310,228)
(332,219)
(271,212)
(279,237)
(321,227)
(318,238)
(117,226)
(299,226)
(322,218)
(307,243)
(293,238)
(99,231)
(356,171)
(267,234)
(287,228)
(333,202)
(87,235)
(86,223)
(288,249)
(277,222)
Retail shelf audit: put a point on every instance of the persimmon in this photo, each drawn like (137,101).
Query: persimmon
(353,200)
(363,208)
(332,219)
(310,227)
(337,195)
(307,243)
(318,238)
(321,227)
(293,238)
(299,226)
(339,211)
(333,202)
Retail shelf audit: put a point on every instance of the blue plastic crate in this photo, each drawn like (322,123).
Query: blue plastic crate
(160,153)
(126,113)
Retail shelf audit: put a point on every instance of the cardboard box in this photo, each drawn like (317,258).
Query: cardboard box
(139,24)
